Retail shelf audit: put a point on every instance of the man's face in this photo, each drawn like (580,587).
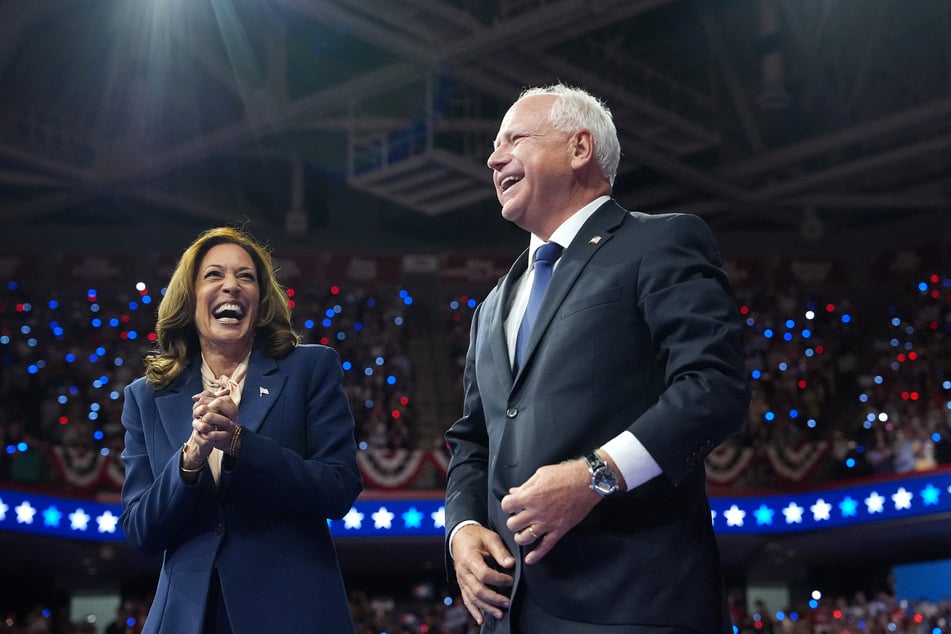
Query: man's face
(531,165)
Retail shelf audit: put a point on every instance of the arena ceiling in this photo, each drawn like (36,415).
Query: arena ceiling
(802,117)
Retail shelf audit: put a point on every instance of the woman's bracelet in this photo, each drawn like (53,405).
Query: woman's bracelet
(182,465)
(235,441)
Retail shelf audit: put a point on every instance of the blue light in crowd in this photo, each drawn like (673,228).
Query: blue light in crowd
(454,305)
(863,398)
(780,616)
(133,305)
(871,416)
(11,449)
(403,293)
(133,335)
(146,299)
(896,322)
(806,333)
(73,389)
(98,435)
(813,604)
(46,612)
(846,318)
(101,351)
(922,286)
(22,446)
(326,323)
(756,374)
(878,379)
(12,286)
(787,336)
(769,416)
(910,330)
(368,371)
(341,336)
(447,601)
(62,399)
(946,385)
(811,423)
(398,321)
(309,324)
(371,302)
(850,463)
(70,357)
(783,366)
(329,312)
(92,415)
(31,342)
(32,369)
(408,300)
(794,413)
(379,360)
(27,307)
(363,445)
(750,321)
(867,425)
(936,437)
(24,329)
(368,403)
(391,380)
(346,365)
(96,322)
(104,451)
(790,324)
(338,309)
(893,342)
(94,308)
(4,339)
(114,322)
(58,331)
(909,345)
(768,333)
(357,326)
(118,362)
(472,303)
(94,406)
(809,352)
(894,365)
(114,395)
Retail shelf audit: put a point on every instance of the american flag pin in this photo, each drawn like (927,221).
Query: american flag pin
(594,240)
(262,391)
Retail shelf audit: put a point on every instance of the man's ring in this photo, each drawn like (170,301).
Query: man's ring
(532,531)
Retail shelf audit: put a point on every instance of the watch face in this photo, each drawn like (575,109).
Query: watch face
(605,482)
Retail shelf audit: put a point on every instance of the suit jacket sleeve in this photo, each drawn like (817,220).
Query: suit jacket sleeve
(688,306)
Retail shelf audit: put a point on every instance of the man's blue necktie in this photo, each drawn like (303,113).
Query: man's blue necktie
(545,257)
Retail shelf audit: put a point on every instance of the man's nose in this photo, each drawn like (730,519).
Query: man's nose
(496,160)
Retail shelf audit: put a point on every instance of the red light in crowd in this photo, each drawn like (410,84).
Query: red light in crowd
(904,396)
(125,319)
(404,400)
(837,614)
(914,396)
(802,384)
(456,317)
(918,618)
(325,341)
(912,355)
(758,625)
(91,297)
(423,628)
(123,335)
(291,292)
(291,303)
(19,308)
(935,294)
(152,336)
(395,413)
(830,308)
(63,420)
(744,310)
(933,325)
(820,349)
(934,279)
(144,292)
(464,299)
(334,290)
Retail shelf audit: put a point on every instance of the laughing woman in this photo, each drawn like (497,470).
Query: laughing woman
(239,446)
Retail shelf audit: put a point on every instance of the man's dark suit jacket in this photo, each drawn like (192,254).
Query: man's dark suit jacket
(638,331)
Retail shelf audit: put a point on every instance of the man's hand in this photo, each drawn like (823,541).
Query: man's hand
(472,547)
(548,505)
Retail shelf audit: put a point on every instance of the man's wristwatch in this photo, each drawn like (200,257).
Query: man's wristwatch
(604,481)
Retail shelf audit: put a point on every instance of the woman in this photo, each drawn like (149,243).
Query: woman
(239,445)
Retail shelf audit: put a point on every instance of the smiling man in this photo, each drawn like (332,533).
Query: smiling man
(601,370)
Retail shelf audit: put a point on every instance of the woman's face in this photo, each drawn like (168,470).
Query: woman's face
(227,298)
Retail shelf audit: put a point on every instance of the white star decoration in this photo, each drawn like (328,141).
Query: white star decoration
(382,518)
(875,503)
(25,513)
(353,519)
(439,517)
(902,499)
(79,520)
(793,513)
(3,510)
(820,510)
(734,516)
(107,522)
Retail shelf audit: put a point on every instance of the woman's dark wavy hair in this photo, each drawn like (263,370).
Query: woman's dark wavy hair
(177,336)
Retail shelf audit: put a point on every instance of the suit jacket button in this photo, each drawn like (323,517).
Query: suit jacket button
(511,412)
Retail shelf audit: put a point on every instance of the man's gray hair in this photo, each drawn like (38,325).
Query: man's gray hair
(575,109)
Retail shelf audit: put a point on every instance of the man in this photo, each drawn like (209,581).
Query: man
(575,499)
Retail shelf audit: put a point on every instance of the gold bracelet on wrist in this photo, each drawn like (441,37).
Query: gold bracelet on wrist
(182,465)
(235,441)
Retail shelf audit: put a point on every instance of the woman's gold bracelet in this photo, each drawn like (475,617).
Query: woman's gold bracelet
(235,440)
(182,465)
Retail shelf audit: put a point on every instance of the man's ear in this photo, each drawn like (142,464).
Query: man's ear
(582,148)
